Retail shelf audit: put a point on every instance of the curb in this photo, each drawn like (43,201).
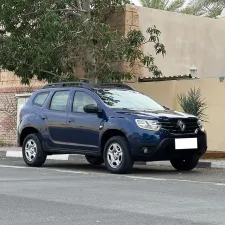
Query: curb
(81,158)
(63,157)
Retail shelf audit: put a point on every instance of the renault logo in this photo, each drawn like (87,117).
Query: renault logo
(181,124)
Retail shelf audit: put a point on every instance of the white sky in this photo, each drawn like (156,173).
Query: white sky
(136,2)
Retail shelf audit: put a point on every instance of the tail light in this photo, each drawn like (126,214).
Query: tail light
(21,116)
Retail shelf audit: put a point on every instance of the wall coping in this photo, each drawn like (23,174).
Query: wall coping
(23,95)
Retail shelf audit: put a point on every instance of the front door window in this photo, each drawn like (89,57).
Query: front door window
(82,99)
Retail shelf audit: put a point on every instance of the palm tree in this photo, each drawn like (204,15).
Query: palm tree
(173,6)
(209,8)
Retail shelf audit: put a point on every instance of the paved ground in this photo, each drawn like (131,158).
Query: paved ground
(66,193)
(16,152)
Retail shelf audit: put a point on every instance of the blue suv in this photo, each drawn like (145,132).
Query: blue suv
(108,123)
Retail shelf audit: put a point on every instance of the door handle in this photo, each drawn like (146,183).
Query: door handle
(71,120)
(44,117)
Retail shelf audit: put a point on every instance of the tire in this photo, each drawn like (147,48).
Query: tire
(33,153)
(123,163)
(185,165)
(94,160)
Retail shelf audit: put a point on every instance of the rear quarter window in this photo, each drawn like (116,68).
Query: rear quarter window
(40,99)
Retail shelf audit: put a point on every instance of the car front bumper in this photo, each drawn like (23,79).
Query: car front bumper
(161,147)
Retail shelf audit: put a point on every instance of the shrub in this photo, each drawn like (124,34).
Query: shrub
(193,103)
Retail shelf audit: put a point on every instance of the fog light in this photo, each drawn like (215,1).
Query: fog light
(145,150)
(200,124)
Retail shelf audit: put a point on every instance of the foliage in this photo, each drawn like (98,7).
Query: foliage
(168,5)
(50,41)
(209,8)
(193,103)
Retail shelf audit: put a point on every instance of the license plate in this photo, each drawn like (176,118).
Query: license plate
(186,143)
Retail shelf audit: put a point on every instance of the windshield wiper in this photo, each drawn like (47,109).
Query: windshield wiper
(127,109)
(152,110)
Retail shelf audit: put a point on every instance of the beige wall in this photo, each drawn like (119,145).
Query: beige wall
(162,92)
(212,90)
(189,40)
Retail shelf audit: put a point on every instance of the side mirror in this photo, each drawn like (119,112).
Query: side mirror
(91,109)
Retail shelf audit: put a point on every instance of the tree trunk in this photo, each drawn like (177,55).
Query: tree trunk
(87,7)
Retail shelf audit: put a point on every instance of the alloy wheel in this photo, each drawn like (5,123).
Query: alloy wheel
(31,150)
(115,155)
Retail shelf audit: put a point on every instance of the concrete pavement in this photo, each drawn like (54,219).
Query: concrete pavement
(65,192)
(13,152)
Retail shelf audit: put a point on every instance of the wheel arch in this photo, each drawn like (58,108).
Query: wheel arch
(25,132)
(111,133)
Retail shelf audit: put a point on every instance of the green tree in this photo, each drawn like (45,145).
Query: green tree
(50,39)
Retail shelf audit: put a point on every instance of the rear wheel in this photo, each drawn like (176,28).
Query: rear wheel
(94,160)
(32,150)
(185,164)
(117,155)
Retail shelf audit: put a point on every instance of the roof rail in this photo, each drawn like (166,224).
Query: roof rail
(68,84)
(114,85)
(88,86)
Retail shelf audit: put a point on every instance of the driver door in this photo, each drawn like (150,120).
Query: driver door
(84,128)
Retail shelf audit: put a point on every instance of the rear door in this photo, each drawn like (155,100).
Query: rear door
(55,116)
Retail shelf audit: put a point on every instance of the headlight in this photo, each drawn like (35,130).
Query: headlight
(201,125)
(148,124)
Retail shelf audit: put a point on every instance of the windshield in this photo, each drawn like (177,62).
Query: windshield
(127,99)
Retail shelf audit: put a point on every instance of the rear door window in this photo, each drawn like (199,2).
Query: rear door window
(60,100)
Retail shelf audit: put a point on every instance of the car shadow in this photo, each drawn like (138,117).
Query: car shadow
(137,170)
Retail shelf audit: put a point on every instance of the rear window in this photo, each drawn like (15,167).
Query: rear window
(41,98)
(60,100)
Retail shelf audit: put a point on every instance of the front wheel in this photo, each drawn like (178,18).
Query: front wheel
(117,155)
(33,153)
(185,164)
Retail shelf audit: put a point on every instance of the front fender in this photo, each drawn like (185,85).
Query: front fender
(120,124)
(135,136)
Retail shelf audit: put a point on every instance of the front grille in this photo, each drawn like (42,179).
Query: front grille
(191,125)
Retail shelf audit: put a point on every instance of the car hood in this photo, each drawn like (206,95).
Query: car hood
(162,114)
